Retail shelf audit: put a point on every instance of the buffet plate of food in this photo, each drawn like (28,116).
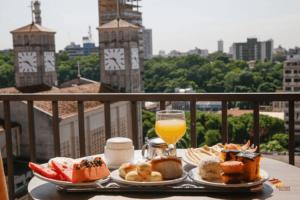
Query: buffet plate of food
(115,176)
(155,172)
(68,172)
(195,176)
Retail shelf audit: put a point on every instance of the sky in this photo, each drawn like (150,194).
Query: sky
(176,24)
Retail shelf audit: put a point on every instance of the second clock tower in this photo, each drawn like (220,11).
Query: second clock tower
(120,56)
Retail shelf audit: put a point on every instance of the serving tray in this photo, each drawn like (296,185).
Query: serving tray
(186,187)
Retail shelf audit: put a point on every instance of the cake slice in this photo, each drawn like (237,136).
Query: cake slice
(251,165)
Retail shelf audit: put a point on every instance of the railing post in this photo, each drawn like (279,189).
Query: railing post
(193,124)
(107,120)
(292,132)
(31,131)
(134,124)
(162,105)
(256,136)
(55,128)
(81,128)
(9,150)
(225,138)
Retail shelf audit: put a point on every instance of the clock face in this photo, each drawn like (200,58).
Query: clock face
(27,62)
(114,59)
(49,61)
(135,58)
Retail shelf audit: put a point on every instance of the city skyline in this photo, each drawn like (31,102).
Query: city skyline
(271,19)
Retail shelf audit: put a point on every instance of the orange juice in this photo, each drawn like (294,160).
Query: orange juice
(171,130)
(3,188)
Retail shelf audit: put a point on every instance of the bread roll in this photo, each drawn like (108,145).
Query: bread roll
(155,176)
(170,167)
(126,168)
(133,176)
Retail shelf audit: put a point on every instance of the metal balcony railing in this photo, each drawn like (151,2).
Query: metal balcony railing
(107,99)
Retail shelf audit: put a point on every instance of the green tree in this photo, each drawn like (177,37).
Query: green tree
(212,137)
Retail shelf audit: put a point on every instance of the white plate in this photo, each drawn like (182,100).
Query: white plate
(186,160)
(116,177)
(69,184)
(194,175)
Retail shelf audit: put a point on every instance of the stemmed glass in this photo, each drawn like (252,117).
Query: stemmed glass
(170,126)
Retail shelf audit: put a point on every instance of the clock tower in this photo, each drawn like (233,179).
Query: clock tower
(121,55)
(34,49)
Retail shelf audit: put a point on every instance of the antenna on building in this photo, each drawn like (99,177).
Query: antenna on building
(32,12)
(118,12)
(90,34)
(36,11)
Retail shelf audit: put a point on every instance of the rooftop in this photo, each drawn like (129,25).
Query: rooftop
(66,108)
(118,24)
(32,28)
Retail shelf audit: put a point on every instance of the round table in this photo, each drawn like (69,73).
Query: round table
(290,175)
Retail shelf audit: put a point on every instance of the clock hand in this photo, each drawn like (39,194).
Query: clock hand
(28,63)
(115,60)
(50,63)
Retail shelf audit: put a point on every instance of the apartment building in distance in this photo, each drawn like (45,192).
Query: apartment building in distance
(221,46)
(253,50)
(291,83)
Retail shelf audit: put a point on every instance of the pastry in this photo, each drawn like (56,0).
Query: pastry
(126,168)
(210,169)
(228,155)
(133,176)
(251,163)
(169,167)
(232,167)
(144,169)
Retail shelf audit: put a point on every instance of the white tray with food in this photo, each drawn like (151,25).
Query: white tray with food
(67,172)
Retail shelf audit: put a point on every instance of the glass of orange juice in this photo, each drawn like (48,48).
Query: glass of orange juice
(170,126)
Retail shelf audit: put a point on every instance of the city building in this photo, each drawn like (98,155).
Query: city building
(162,53)
(175,53)
(88,47)
(209,106)
(221,46)
(182,105)
(253,50)
(198,52)
(294,51)
(123,9)
(148,44)
(291,83)
(74,50)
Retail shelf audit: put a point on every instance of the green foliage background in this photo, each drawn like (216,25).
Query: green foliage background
(240,130)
